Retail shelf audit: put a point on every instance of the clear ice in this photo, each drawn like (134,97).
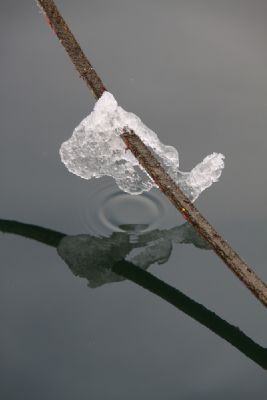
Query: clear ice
(95,149)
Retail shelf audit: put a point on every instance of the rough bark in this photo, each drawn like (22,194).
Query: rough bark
(149,161)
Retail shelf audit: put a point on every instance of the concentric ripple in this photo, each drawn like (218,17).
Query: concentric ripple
(110,210)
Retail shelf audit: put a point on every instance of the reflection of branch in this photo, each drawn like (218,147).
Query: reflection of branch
(168,293)
(149,161)
(43,235)
(195,310)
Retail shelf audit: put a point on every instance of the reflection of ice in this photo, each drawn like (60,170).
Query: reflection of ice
(95,149)
(92,258)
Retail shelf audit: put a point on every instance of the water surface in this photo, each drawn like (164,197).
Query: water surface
(77,320)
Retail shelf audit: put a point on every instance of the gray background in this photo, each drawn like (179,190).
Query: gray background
(195,72)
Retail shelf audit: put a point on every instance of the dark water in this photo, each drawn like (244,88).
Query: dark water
(79,319)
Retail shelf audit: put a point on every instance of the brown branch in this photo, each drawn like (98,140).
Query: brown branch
(149,161)
(72,47)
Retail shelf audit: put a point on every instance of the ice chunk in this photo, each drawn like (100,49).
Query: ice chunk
(202,176)
(95,149)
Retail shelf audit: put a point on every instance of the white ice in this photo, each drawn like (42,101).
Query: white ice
(95,149)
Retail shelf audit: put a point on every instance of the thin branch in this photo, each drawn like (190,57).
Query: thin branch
(72,47)
(150,163)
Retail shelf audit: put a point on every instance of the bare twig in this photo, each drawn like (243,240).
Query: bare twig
(72,47)
(149,161)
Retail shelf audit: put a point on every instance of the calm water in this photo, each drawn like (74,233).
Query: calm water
(78,318)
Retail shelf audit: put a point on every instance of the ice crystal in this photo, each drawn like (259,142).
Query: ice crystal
(95,149)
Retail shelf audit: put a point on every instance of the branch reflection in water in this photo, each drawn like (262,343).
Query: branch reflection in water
(125,255)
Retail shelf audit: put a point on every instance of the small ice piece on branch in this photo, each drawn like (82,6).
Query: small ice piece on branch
(95,149)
